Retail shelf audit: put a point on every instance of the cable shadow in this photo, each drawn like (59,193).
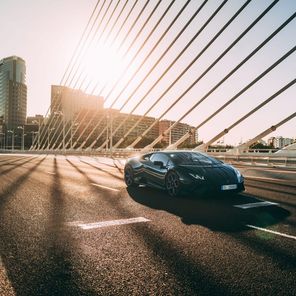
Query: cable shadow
(10,248)
(214,212)
(41,264)
(262,244)
(102,170)
(57,275)
(11,160)
(110,202)
(12,189)
(15,165)
(182,268)
(119,168)
(203,212)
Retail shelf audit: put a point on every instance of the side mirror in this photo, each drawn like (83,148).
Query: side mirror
(158,163)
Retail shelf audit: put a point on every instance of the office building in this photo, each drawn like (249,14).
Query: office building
(13,92)
(69,102)
(176,132)
(280,142)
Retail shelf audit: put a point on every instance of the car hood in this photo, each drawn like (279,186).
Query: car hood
(213,174)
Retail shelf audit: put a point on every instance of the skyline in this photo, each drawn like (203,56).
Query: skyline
(54,43)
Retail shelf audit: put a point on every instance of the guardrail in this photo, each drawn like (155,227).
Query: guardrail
(258,159)
(254,158)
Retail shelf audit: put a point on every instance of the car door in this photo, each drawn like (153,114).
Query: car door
(156,169)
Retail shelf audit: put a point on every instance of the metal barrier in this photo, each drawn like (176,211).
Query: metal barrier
(251,159)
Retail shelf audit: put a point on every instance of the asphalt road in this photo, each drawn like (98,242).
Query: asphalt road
(69,226)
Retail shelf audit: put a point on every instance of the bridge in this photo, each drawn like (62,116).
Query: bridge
(162,75)
(217,71)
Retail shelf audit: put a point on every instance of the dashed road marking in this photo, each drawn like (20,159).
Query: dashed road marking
(272,231)
(256,205)
(51,173)
(87,226)
(105,187)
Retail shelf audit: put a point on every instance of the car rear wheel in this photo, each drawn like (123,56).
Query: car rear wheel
(129,177)
(173,184)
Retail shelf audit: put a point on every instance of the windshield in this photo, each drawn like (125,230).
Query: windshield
(193,158)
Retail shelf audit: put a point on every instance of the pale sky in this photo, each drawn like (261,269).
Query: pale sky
(44,33)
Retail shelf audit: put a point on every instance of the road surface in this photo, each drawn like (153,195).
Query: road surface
(69,226)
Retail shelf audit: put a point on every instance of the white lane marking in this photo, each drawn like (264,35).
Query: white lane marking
(272,231)
(256,205)
(105,187)
(51,173)
(87,226)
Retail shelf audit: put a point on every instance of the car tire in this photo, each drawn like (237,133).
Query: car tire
(173,184)
(129,177)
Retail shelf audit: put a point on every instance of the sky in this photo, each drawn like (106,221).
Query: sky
(45,33)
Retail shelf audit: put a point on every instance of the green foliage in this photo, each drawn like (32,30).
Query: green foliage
(261,146)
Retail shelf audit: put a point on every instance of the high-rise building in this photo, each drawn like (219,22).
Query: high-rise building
(69,101)
(280,142)
(13,92)
(176,132)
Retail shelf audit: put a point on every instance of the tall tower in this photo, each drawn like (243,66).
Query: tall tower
(13,92)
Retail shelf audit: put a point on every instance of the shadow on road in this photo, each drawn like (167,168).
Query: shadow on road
(214,212)
(35,247)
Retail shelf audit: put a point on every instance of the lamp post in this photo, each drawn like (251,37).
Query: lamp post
(12,138)
(23,137)
(37,122)
(107,133)
(60,113)
(2,140)
(48,133)
(33,136)
(111,136)
(71,135)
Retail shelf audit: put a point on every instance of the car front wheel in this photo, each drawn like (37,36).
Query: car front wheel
(129,177)
(172,184)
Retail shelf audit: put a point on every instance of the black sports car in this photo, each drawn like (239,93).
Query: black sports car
(183,172)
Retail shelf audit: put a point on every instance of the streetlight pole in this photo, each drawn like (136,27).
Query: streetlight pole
(38,122)
(12,138)
(107,133)
(3,146)
(48,133)
(63,133)
(23,137)
(60,113)
(111,138)
(71,135)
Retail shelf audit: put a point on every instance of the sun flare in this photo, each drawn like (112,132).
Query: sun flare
(102,65)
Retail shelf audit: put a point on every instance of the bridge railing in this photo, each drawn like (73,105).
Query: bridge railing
(251,158)
(256,158)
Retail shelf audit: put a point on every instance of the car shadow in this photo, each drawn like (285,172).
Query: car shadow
(216,212)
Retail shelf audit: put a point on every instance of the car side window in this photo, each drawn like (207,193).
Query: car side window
(146,157)
(160,157)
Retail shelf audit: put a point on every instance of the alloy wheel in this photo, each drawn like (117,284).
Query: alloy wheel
(173,184)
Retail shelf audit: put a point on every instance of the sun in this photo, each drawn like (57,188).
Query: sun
(102,65)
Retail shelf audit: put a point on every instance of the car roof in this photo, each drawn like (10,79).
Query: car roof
(175,151)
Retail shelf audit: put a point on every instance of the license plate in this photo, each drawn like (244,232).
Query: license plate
(229,187)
